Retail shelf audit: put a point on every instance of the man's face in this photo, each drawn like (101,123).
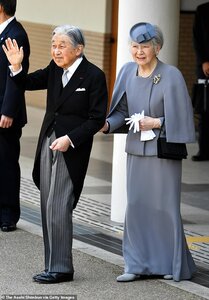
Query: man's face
(63,52)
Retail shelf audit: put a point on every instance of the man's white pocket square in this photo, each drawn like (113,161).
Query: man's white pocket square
(80,90)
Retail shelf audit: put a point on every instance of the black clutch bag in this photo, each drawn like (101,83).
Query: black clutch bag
(167,150)
(200,96)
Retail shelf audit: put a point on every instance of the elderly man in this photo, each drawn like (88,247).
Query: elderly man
(12,119)
(75,111)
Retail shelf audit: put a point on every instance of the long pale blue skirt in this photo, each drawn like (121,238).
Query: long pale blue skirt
(154,241)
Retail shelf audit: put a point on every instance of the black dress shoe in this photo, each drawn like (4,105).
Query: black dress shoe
(6,227)
(199,158)
(52,277)
(40,274)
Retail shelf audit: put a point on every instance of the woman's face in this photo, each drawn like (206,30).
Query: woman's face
(143,53)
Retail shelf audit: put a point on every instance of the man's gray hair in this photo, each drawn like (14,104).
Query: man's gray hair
(74,33)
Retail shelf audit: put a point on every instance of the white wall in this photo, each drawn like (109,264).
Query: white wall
(89,15)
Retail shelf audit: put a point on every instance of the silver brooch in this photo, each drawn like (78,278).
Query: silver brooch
(156,79)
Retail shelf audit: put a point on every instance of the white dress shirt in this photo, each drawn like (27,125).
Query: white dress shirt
(73,67)
(71,71)
(5,23)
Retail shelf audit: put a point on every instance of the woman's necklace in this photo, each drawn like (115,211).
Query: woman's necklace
(145,75)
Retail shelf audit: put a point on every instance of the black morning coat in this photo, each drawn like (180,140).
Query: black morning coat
(78,110)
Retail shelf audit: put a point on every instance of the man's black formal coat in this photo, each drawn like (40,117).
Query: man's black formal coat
(78,110)
(12,104)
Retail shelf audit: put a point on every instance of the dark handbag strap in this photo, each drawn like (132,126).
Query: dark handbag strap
(161,127)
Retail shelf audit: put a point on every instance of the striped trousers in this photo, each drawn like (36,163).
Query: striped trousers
(57,199)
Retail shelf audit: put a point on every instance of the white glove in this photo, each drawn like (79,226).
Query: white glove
(134,122)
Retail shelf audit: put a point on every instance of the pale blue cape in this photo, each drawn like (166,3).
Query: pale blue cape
(177,107)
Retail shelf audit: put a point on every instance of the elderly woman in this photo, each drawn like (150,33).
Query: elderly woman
(148,93)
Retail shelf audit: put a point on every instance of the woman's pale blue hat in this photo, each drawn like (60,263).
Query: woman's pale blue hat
(142,32)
